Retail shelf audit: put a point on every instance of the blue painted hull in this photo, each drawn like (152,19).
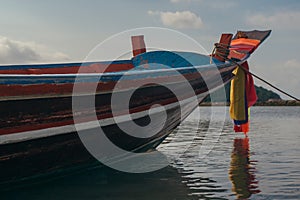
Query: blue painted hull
(37,118)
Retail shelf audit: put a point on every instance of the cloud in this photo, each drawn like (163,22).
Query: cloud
(17,52)
(280,20)
(292,64)
(180,20)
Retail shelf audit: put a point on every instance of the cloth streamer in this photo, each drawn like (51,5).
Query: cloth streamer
(242,97)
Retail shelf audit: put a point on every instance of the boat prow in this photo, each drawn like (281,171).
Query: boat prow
(37,127)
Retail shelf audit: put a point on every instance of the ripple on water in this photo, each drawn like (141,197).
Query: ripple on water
(263,166)
(206,163)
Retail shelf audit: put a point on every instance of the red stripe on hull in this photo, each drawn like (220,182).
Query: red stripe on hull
(40,90)
(83,118)
(93,68)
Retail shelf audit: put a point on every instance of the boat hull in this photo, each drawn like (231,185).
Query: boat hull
(38,133)
(47,154)
(38,123)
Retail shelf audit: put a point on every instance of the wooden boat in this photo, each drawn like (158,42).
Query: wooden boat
(37,132)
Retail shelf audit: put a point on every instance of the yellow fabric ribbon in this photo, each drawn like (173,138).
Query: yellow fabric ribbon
(237,95)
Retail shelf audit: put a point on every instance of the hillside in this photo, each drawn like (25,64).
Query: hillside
(263,95)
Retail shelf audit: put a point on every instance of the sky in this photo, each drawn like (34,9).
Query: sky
(35,31)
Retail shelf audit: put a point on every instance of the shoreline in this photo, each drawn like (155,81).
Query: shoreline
(267,103)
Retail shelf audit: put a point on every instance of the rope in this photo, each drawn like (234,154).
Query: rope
(219,47)
(263,80)
(221,50)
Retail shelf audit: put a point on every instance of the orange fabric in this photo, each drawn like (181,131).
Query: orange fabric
(245,41)
(242,45)
(242,128)
(236,54)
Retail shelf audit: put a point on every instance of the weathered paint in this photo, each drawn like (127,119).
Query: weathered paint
(28,156)
(62,68)
(26,86)
(38,98)
(33,114)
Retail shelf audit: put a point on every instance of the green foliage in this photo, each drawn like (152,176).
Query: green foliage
(262,94)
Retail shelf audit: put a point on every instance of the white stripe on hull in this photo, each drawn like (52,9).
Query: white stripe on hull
(36,134)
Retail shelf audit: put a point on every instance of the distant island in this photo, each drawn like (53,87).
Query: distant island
(265,98)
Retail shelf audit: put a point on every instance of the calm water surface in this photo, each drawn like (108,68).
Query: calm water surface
(205,163)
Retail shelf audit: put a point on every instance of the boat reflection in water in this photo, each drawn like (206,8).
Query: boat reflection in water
(242,169)
(104,183)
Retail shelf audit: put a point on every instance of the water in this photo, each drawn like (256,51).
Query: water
(265,165)
(218,165)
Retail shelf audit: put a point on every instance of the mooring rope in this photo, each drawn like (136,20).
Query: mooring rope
(223,52)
